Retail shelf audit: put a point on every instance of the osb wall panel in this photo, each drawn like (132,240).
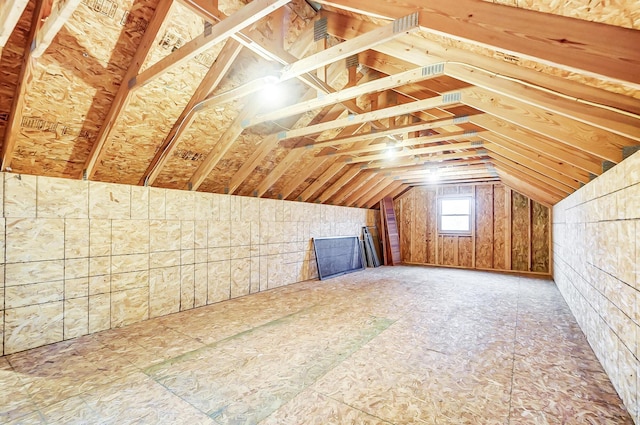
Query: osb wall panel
(501,220)
(81,257)
(484,227)
(502,224)
(596,255)
(540,237)
(519,232)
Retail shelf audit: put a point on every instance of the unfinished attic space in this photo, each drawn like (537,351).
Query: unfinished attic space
(320,212)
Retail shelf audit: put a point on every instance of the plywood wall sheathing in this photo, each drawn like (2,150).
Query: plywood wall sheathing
(519,232)
(504,233)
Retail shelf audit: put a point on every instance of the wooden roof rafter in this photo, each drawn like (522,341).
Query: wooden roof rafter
(60,13)
(134,79)
(521,150)
(218,70)
(26,75)
(540,36)
(539,180)
(538,143)
(10,13)
(515,157)
(303,66)
(124,92)
(248,15)
(413,50)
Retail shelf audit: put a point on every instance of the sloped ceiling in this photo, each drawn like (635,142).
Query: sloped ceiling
(370,97)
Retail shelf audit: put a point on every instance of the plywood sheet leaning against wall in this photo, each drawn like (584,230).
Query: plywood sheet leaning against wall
(510,232)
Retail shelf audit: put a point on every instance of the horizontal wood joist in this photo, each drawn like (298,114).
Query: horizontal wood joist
(393,145)
(568,43)
(394,131)
(427,159)
(381,84)
(450,98)
(406,153)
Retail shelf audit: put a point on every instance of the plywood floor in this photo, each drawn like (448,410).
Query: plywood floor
(386,346)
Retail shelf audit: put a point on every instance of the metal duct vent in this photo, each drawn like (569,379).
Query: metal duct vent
(352,61)
(320,29)
(405,23)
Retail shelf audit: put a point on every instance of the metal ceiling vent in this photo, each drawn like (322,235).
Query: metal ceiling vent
(352,61)
(320,29)
(405,23)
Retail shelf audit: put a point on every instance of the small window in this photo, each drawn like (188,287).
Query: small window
(455,216)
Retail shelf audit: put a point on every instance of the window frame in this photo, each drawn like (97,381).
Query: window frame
(456,197)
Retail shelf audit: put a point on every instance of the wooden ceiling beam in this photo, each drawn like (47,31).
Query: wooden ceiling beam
(450,98)
(427,160)
(218,70)
(421,51)
(541,158)
(348,189)
(592,140)
(475,175)
(411,142)
(62,11)
(10,13)
(533,165)
(223,145)
(244,17)
(338,184)
(576,109)
(378,85)
(385,185)
(300,178)
(515,169)
(572,44)
(402,25)
(396,131)
(539,143)
(322,180)
(124,92)
(528,189)
(16,112)
(439,170)
(418,151)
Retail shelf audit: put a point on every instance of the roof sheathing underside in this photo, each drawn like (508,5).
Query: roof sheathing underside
(72,87)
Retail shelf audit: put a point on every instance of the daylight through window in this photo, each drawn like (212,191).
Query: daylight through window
(455,215)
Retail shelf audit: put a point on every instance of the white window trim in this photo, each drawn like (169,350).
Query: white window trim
(471,214)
